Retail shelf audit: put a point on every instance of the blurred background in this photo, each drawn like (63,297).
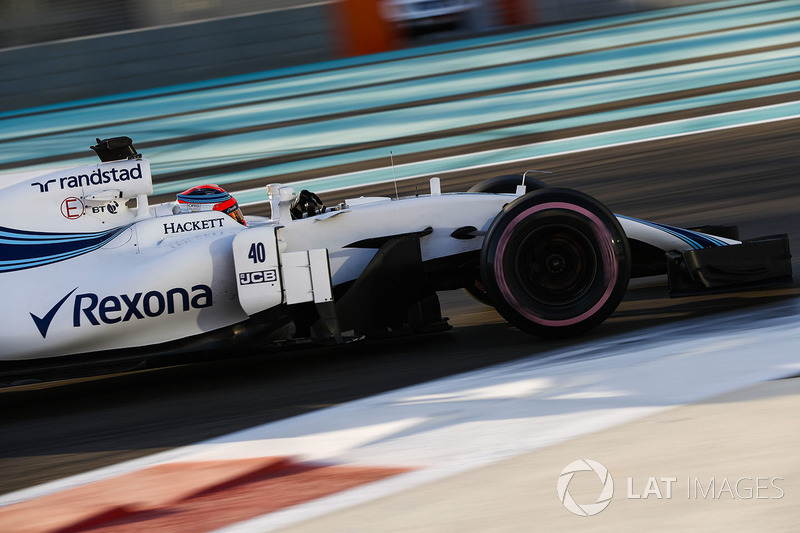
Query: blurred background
(678,111)
(58,50)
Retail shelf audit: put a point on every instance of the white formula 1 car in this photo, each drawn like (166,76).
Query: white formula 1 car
(88,266)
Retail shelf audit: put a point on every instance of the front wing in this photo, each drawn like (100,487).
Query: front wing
(764,261)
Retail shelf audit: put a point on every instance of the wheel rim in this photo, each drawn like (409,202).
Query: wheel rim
(556,265)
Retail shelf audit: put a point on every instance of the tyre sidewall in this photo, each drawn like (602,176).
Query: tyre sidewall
(591,228)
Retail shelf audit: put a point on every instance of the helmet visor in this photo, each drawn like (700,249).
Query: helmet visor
(231,207)
(237,215)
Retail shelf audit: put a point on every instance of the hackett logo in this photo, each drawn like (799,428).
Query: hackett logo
(178,227)
(95,178)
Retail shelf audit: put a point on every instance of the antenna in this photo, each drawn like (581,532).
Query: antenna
(391,158)
(536,171)
(522,189)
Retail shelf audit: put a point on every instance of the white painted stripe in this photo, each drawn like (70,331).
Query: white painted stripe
(468,420)
(587,138)
(485,416)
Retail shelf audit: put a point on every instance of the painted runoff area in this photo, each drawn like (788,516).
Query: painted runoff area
(447,80)
(532,152)
(293,81)
(356,452)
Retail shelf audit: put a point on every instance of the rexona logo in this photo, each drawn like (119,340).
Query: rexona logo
(123,308)
(91,309)
(97,177)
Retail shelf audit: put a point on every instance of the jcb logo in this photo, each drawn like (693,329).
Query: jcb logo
(262,276)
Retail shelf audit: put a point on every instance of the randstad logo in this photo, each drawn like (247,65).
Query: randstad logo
(99,176)
(585,509)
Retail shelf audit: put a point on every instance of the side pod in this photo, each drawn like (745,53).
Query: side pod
(393,293)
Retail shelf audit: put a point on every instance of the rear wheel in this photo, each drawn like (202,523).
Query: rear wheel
(555,262)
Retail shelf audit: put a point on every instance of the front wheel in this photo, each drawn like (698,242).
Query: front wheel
(555,262)
(507,183)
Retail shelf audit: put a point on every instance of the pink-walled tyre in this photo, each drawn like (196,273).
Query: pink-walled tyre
(555,262)
(507,183)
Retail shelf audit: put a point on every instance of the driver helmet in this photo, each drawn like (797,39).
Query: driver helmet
(208,198)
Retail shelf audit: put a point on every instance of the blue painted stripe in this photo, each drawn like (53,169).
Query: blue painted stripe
(665,229)
(404,122)
(706,241)
(11,266)
(397,89)
(447,59)
(685,15)
(32,249)
(529,152)
(12,236)
(694,239)
(448,84)
(551,147)
(184,157)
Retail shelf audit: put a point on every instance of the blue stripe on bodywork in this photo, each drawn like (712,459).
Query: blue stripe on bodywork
(20,250)
(706,241)
(36,236)
(694,239)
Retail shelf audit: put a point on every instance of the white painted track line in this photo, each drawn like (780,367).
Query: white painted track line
(470,420)
(465,421)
